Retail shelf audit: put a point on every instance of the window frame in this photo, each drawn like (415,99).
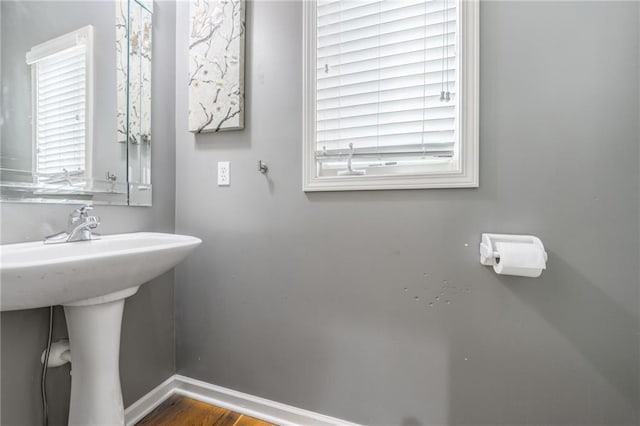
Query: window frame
(466,175)
(44,50)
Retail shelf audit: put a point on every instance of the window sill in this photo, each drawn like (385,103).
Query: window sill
(386,182)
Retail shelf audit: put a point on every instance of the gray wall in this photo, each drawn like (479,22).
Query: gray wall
(299,297)
(147,350)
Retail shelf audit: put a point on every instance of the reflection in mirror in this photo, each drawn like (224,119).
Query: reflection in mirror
(61,85)
(76,97)
(139,97)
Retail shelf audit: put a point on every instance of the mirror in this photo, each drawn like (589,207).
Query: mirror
(75,122)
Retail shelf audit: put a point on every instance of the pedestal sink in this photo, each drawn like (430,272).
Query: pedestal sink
(90,279)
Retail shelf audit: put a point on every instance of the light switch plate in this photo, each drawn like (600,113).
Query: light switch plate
(224,178)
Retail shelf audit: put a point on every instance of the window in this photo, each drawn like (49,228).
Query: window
(61,94)
(390,94)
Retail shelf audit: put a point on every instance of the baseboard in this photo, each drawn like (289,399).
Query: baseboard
(136,411)
(270,411)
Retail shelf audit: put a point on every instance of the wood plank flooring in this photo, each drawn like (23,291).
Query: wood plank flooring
(178,410)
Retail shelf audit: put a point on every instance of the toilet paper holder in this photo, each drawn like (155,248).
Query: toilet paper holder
(490,257)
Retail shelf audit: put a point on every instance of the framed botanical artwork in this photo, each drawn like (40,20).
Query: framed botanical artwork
(216,65)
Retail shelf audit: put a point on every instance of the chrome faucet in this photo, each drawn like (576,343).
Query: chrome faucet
(79,229)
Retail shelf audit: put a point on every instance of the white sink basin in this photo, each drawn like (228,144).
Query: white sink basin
(91,279)
(34,275)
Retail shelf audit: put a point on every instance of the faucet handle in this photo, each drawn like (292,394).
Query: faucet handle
(84,209)
(81,213)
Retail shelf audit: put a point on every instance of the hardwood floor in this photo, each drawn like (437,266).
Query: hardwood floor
(178,410)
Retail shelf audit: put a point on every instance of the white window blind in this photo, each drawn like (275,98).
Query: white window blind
(386,85)
(61,80)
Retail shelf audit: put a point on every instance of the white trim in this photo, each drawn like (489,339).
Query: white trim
(464,176)
(239,402)
(34,116)
(58,44)
(89,106)
(309,12)
(143,406)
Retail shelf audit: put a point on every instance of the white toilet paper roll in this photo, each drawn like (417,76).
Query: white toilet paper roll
(525,260)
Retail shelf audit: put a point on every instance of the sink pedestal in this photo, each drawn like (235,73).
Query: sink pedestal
(90,279)
(94,337)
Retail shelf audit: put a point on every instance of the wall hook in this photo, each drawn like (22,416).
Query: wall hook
(262,167)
